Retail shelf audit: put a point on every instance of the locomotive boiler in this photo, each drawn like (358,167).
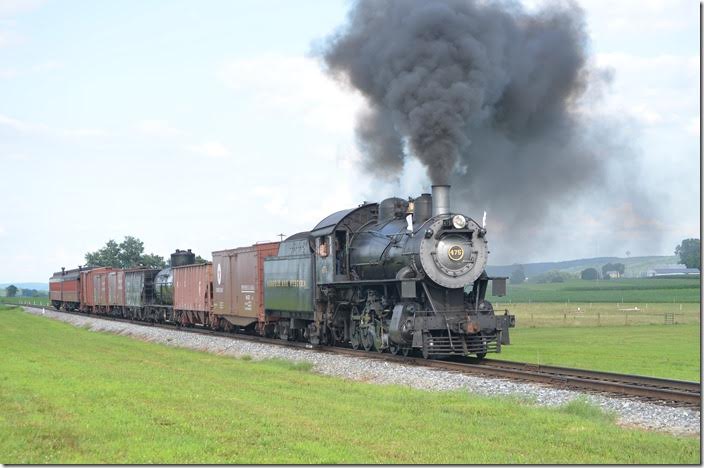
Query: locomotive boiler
(394,276)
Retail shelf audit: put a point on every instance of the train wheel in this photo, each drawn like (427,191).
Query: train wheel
(427,343)
(405,350)
(394,348)
(355,340)
(368,340)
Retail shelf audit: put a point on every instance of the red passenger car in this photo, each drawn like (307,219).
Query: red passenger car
(65,290)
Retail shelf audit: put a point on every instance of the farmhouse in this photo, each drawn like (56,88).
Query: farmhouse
(671,270)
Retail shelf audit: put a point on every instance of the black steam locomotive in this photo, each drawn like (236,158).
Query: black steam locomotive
(393,276)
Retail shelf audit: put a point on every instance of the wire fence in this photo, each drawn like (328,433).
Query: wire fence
(600,314)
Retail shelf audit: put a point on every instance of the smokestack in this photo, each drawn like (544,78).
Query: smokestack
(441,199)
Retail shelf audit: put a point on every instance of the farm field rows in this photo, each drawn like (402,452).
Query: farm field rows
(636,290)
(667,351)
(39,301)
(111,399)
(598,314)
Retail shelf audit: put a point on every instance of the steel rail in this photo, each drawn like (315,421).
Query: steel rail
(653,389)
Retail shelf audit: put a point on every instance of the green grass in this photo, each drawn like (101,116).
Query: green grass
(644,290)
(40,301)
(68,395)
(604,314)
(668,351)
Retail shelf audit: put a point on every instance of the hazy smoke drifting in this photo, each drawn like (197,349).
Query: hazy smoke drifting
(484,94)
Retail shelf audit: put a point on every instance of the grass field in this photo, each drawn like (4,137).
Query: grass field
(668,351)
(40,301)
(599,314)
(640,290)
(68,395)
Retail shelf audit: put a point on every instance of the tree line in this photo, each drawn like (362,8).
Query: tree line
(688,252)
(14,291)
(127,254)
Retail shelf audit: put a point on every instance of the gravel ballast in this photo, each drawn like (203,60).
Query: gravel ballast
(680,421)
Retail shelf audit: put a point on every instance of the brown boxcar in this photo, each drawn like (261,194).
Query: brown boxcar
(192,287)
(238,289)
(116,288)
(94,286)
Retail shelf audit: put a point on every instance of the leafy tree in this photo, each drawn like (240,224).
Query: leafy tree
(518,276)
(590,274)
(30,293)
(200,259)
(127,254)
(153,261)
(552,276)
(689,252)
(108,256)
(130,252)
(11,290)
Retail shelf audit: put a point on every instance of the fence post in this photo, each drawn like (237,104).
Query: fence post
(532,322)
(626,317)
(598,319)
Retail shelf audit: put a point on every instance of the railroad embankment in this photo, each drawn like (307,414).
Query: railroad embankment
(74,396)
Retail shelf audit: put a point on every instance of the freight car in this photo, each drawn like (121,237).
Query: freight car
(395,276)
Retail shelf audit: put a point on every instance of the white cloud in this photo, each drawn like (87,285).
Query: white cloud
(296,86)
(41,129)
(645,115)
(157,128)
(13,7)
(651,90)
(211,149)
(18,125)
(6,73)
(693,126)
(9,38)
(17,157)
(83,132)
(48,65)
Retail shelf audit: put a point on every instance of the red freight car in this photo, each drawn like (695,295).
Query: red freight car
(65,290)
(96,292)
(238,284)
(193,293)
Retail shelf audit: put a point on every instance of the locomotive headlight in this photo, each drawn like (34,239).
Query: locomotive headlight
(459,221)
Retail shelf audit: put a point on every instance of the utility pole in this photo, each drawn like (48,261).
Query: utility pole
(281,237)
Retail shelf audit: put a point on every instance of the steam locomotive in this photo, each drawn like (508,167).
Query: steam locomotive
(396,276)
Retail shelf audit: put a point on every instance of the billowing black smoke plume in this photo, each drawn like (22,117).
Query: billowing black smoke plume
(484,94)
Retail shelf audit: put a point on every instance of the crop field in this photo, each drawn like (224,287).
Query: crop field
(599,314)
(587,324)
(667,351)
(638,290)
(69,395)
(39,301)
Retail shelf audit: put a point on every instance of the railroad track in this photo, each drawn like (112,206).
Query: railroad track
(652,389)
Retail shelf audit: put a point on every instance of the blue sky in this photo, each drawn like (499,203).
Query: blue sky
(208,125)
